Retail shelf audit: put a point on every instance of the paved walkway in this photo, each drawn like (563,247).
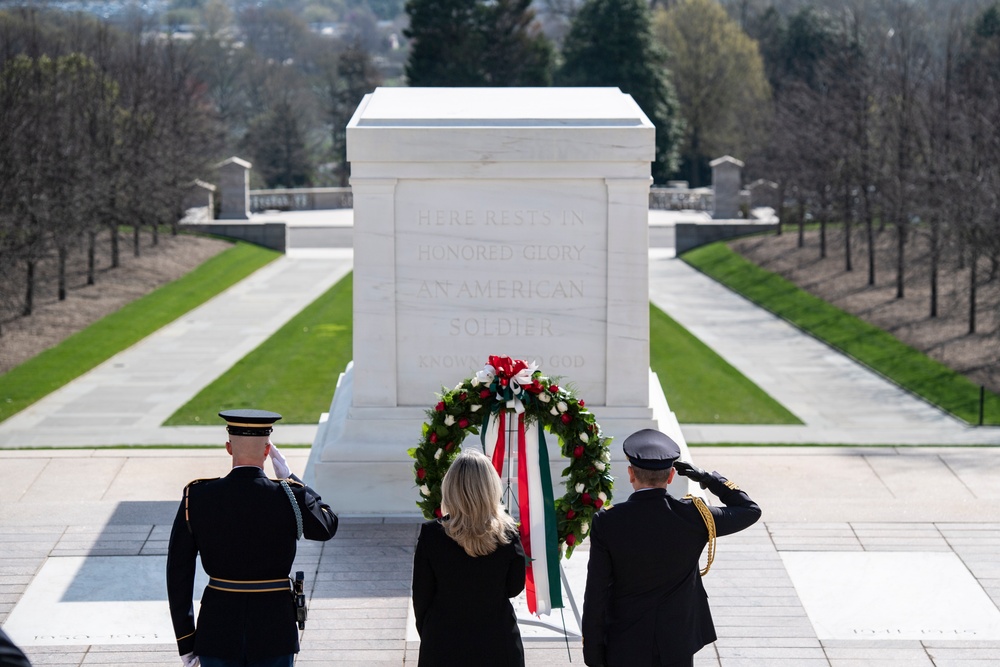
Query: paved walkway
(83,532)
(125,400)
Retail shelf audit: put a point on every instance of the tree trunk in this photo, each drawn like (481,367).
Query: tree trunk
(115,246)
(780,210)
(135,241)
(29,292)
(61,261)
(848,215)
(972,291)
(900,260)
(91,258)
(935,261)
(802,224)
(870,232)
(822,235)
(156,234)
(848,265)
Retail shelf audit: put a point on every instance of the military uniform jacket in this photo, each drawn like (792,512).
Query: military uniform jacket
(461,603)
(645,603)
(244,527)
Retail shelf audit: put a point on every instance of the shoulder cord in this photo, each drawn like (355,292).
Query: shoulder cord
(706,515)
(187,514)
(298,512)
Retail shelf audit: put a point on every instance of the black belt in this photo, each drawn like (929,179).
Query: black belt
(259,586)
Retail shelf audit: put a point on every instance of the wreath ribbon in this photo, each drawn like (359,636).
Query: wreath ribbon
(536,501)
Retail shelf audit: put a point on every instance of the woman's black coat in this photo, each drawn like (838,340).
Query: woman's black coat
(462,603)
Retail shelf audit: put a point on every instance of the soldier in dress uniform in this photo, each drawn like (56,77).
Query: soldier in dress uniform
(245,527)
(645,604)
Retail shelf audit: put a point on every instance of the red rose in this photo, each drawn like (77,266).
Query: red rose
(570,514)
(439,407)
(585,499)
(421,473)
(598,503)
(462,423)
(581,403)
(433,438)
(485,393)
(554,388)
(571,539)
(462,396)
(437,513)
(503,382)
(566,418)
(448,447)
(578,451)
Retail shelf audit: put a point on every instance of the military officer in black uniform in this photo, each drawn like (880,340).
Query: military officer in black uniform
(245,526)
(645,604)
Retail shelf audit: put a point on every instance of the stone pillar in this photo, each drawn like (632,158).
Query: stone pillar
(726,183)
(234,181)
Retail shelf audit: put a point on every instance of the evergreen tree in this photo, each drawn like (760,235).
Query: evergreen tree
(476,43)
(446,43)
(278,143)
(611,43)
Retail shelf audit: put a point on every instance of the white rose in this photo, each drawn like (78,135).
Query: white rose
(425,491)
(606,456)
(438,454)
(449,420)
(603,496)
(544,397)
(584,437)
(554,411)
(584,527)
(599,466)
(562,406)
(580,487)
(475,382)
(475,408)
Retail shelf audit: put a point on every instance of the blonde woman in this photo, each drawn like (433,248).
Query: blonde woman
(466,568)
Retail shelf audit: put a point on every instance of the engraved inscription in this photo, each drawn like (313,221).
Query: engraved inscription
(500,289)
(500,326)
(499,253)
(521,217)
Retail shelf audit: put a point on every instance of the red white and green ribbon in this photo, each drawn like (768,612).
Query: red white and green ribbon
(536,501)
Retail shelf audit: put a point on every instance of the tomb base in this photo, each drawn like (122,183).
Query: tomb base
(359,464)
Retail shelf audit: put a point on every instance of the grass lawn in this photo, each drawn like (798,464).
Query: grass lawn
(701,387)
(868,344)
(50,370)
(294,372)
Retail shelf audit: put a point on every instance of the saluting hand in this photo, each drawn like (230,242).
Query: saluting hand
(692,473)
(281,469)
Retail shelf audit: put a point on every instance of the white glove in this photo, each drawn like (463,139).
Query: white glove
(190,660)
(281,469)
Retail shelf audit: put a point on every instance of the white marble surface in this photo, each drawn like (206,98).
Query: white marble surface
(506,222)
(869,595)
(77,600)
(514,268)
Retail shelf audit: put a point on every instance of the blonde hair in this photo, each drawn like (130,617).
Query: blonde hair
(470,495)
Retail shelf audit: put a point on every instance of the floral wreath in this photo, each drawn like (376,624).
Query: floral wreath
(515,386)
